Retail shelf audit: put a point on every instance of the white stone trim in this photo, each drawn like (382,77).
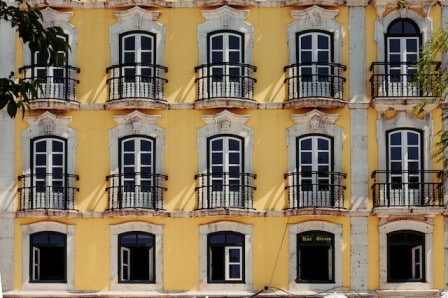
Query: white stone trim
(315,18)
(136,123)
(413,225)
(137,19)
(136,226)
(225,18)
(382,24)
(315,122)
(245,229)
(359,253)
(52,18)
(69,231)
(314,225)
(48,124)
(230,124)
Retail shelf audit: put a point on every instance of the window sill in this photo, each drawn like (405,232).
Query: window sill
(406,211)
(225,103)
(428,293)
(401,103)
(53,104)
(315,102)
(137,103)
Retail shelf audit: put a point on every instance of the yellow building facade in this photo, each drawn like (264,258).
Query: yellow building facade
(225,148)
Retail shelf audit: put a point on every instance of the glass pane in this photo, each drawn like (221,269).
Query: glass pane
(146,58)
(146,43)
(306,157)
(305,144)
(217,57)
(234,144)
(306,57)
(322,157)
(217,42)
(57,146)
(234,158)
(146,159)
(128,145)
(323,57)
(394,45)
(129,58)
(395,153)
(234,42)
(395,138)
(57,159)
(40,159)
(145,145)
(322,144)
(234,57)
(413,153)
(217,144)
(129,43)
(305,42)
(217,158)
(412,138)
(41,146)
(323,42)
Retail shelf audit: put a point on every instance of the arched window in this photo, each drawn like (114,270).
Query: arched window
(404,167)
(137,172)
(403,41)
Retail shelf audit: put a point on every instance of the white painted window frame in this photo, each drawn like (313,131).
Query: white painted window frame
(136,226)
(47,226)
(204,231)
(314,225)
(423,227)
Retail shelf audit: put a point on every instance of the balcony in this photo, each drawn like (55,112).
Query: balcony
(57,85)
(394,84)
(225,85)
(47,191)
(136,190)
(225,190)
(137,85)
(315,189)
(315,84)
(407,188)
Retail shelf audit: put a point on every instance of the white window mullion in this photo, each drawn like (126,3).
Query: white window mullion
(229,262)
(417,268)
(36,263)
(125,263)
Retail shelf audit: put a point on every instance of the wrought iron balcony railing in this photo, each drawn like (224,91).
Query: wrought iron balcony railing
(225,80)
(57,83)
(47,191)
(315,79)
(398,79)
(315,189)
(225,190)
(407,188)
(137,81)
(136,190)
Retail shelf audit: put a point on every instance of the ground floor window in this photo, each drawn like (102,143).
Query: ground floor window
(48,257)
(315,255)
(405,256)
(226,257)
(136,257)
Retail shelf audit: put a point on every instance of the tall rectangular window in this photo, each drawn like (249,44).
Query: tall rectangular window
(225,166)
(225,60)
(137,172)
(49,172)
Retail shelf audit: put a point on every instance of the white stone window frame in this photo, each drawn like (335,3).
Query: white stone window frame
(52,18)
(313,123)
(225,18)
(222,226)
(405,120)
(382,24)
(136,123)
(136,226)
(47,226)
(314,225)
(137,19)
(412,225)
(225,123)
(316,19)
(48,124)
